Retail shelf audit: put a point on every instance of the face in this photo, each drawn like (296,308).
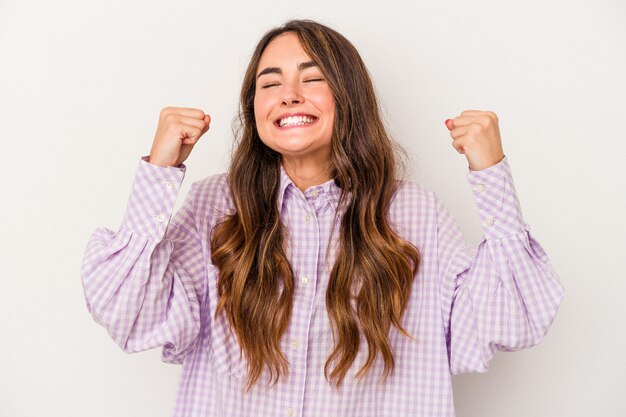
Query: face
(293,103)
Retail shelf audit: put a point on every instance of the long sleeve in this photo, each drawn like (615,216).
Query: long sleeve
(144,283)
(501,295)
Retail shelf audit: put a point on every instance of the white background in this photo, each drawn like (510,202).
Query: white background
(81,87)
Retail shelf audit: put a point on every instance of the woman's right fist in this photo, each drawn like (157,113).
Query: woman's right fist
(178,131)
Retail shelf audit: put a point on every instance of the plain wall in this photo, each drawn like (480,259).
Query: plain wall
(81,87)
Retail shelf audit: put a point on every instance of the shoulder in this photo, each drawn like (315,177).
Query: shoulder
(409,194)
(212,194)
(212,182)
(413,211)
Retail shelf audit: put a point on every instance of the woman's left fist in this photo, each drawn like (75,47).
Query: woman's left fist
(476,134)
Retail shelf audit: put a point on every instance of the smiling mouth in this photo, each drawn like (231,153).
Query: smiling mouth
(295,121)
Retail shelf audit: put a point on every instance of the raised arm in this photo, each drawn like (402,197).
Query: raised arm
(145,283)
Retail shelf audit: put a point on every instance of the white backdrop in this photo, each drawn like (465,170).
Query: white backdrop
(81,87)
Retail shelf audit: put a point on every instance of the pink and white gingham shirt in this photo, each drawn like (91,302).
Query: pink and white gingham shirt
(151,284)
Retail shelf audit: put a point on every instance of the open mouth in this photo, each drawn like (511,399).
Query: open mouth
(295,121)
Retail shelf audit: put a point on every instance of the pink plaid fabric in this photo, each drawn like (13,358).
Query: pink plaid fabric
(151,284)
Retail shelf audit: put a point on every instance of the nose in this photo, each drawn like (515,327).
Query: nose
(291,93)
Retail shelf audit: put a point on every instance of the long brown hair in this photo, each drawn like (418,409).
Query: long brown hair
(248,247)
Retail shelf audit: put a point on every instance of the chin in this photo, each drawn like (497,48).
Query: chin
(292,150)
(294,145)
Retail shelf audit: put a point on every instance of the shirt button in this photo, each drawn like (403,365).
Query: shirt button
(160,217)
(307,218)
(314,193)
(490,221)
(294,343)
(290,412)
(169,185)
(480,188)
(304,280)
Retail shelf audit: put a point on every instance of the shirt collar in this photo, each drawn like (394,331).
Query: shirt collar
(329,188)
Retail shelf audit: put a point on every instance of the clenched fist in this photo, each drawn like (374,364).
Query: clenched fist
(178,131)
(476,134)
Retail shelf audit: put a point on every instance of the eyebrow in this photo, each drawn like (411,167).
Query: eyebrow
(276,70)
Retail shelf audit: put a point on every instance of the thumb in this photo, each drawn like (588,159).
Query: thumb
(449,124)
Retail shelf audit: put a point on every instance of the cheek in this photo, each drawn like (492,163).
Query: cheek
(259,114)
(257,108)
(327,104)
(330,108)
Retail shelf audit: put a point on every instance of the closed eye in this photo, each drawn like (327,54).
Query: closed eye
(306,81)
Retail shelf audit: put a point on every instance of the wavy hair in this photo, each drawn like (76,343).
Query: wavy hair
(256,281)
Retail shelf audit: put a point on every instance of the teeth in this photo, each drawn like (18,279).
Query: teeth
(295,120)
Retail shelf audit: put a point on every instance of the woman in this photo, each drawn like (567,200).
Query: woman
(308,280)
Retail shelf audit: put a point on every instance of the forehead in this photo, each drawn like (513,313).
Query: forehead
(283,51)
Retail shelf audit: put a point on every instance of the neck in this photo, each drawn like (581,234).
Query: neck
(305,175)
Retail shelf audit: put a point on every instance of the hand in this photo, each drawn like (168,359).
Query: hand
(476,134)
(179,129)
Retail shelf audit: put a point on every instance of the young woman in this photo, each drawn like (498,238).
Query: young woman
(309,280)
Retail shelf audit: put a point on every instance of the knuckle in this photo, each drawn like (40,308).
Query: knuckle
(170,118)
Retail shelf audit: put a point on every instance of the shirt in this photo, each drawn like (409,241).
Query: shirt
(151,284)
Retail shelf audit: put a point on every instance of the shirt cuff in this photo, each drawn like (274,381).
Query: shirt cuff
(152,198)
(499,209)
